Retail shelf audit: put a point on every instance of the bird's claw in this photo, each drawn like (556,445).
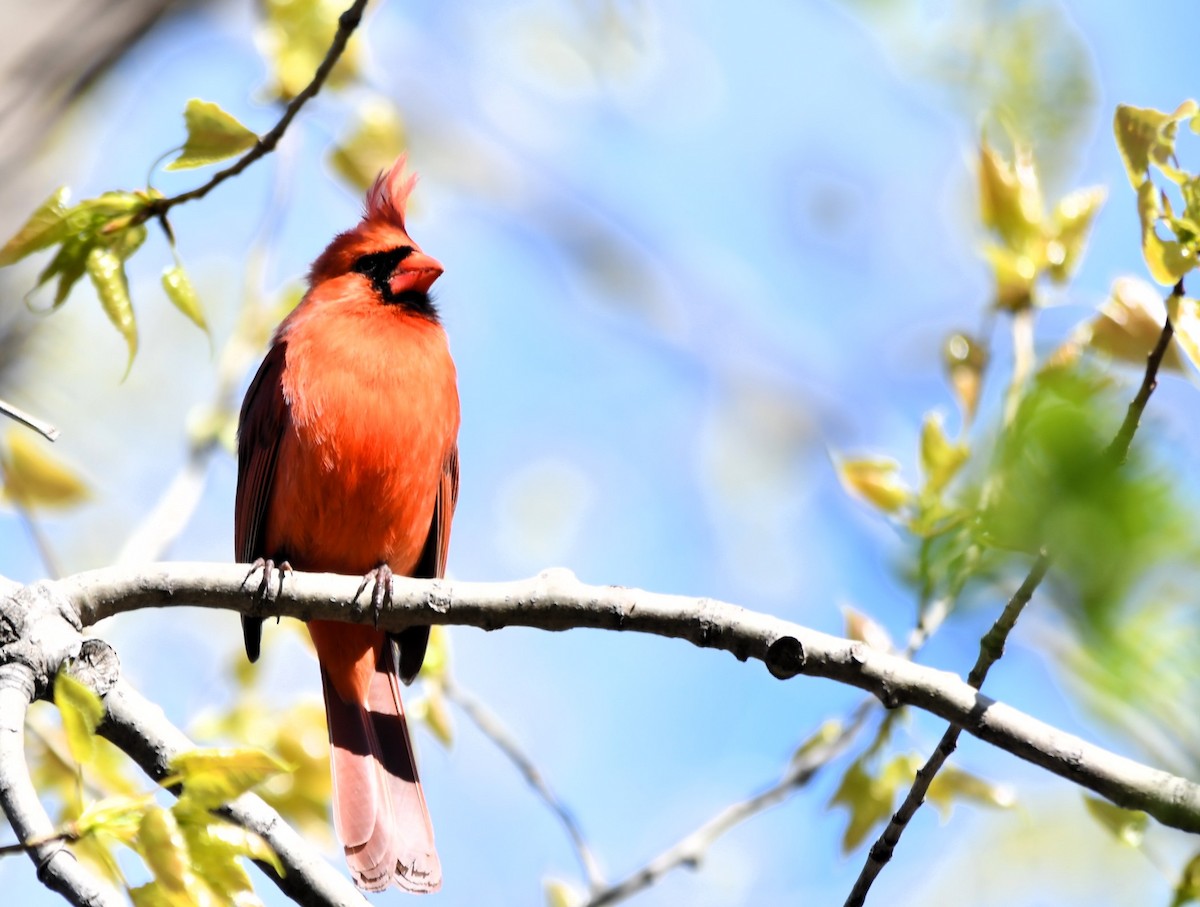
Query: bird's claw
(381,592)
(263,593)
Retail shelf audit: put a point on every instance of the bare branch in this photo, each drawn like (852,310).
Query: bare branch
(140,729)
(556,600)
(57,867)
(491,727)
(347,23)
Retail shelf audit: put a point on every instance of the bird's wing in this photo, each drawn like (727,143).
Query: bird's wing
(413,641)
(261,425)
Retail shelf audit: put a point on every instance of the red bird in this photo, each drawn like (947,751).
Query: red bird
(348,463)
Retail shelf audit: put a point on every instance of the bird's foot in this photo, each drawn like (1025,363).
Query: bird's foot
(381,592)
(263,592)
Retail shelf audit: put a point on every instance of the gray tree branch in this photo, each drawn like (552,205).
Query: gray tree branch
(556,600)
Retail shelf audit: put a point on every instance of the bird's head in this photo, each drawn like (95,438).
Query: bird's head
(379,252)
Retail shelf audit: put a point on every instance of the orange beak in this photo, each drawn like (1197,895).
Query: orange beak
(416,273)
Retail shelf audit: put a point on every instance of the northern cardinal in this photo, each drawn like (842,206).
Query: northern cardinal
(348,463)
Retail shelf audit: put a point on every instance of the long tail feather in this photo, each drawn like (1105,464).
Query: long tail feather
(379,807)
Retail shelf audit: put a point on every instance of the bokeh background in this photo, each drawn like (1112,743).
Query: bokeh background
(692,250)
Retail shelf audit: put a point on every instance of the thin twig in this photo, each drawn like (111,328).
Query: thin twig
(991,647)
(492,728)
(1119,449)
(690,850)
(45,429)
(347,23)
(19,847)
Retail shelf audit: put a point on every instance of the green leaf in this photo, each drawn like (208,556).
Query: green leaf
(45,227)
(1127,825)
(107,271)
(213,777)
(1168,260)
(35,479)
(876,481)
(213,135)
(182,294)
(374,144)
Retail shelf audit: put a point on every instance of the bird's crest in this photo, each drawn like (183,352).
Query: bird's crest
(388,198)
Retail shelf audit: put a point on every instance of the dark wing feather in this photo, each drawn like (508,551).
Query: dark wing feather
(261,425)
(413,641)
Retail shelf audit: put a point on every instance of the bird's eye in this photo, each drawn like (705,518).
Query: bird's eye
(378,266)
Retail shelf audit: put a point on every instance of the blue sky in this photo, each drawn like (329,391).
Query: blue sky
(678,273)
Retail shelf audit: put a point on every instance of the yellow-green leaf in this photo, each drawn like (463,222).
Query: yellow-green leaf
(965,360)
(118,817)
(1185,317)
(1129,324)
(81,713)
(1146,136)
(436,715)
(1127,825)
(212,777)
(941,458)
(562,894)
(33,478)
(374,144)
(1010,195)
(875,481)
(868,798)
(437,654)
(828,732)
(107,272)
(45,227)
(162,846)
(216,842)
(68,265)
(1070,224)
(151,895)
(1014,274)
(862,628)
(180,291)
(212,135)
(952,783)
(1187,889)
(296,36)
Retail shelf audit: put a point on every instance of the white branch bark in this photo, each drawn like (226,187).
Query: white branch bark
(556,600)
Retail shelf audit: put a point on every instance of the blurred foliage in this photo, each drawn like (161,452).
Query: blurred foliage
(295,37)
(1020,67)
(33,478)
(1031,242)
(377,138)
